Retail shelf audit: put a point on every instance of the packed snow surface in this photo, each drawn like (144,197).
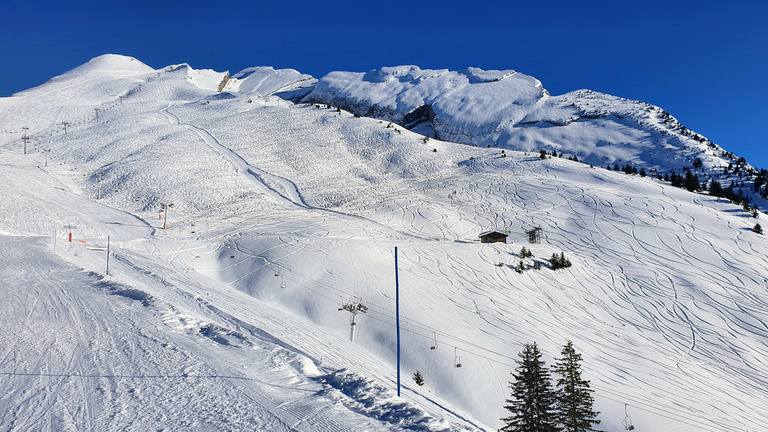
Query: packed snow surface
(282,212)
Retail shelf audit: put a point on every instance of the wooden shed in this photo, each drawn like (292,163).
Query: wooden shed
(493,237)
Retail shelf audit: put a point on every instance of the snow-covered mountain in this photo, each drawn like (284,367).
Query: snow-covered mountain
(511,110)
(224,311)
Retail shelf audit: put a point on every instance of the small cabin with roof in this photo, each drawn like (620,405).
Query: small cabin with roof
(493,237)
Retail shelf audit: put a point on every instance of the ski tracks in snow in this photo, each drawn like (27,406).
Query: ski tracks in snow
(279,188)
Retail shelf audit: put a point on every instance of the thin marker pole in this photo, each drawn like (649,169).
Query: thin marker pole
(397,314)
(107,255)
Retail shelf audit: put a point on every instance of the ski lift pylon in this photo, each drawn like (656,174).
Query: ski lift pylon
(627,420)
(456,360)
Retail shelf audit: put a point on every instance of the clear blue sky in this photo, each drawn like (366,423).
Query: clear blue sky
(706,62)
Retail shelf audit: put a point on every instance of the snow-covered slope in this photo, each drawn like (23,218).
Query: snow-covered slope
(283,212)
(265,80)
(511,110)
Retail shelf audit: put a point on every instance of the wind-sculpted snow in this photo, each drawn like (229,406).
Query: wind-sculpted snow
(460,100)
(265,81)
(284,212)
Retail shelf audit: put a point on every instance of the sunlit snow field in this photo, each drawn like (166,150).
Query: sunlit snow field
(229,318)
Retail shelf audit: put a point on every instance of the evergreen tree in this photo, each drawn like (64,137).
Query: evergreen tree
(532,406)
(697,163)
(559,261)
(418,378)
(715,188)
(554,261)
(676,180)
(691,182)
(574,397)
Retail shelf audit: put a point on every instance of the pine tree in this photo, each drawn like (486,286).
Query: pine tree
(574,397)
(418,378)
(715,188)
(691,182)
(554,261)
(532,406)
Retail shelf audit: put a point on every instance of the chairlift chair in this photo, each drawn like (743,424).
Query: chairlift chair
(456,360)
(627,420)
(433,346)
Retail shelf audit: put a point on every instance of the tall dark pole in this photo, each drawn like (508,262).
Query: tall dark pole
(107,255)
(397,314)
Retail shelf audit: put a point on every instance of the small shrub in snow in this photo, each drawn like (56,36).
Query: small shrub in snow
(418,378)
(757,228)
(559,261)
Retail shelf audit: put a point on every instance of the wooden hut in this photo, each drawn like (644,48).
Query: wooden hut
(493,237)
